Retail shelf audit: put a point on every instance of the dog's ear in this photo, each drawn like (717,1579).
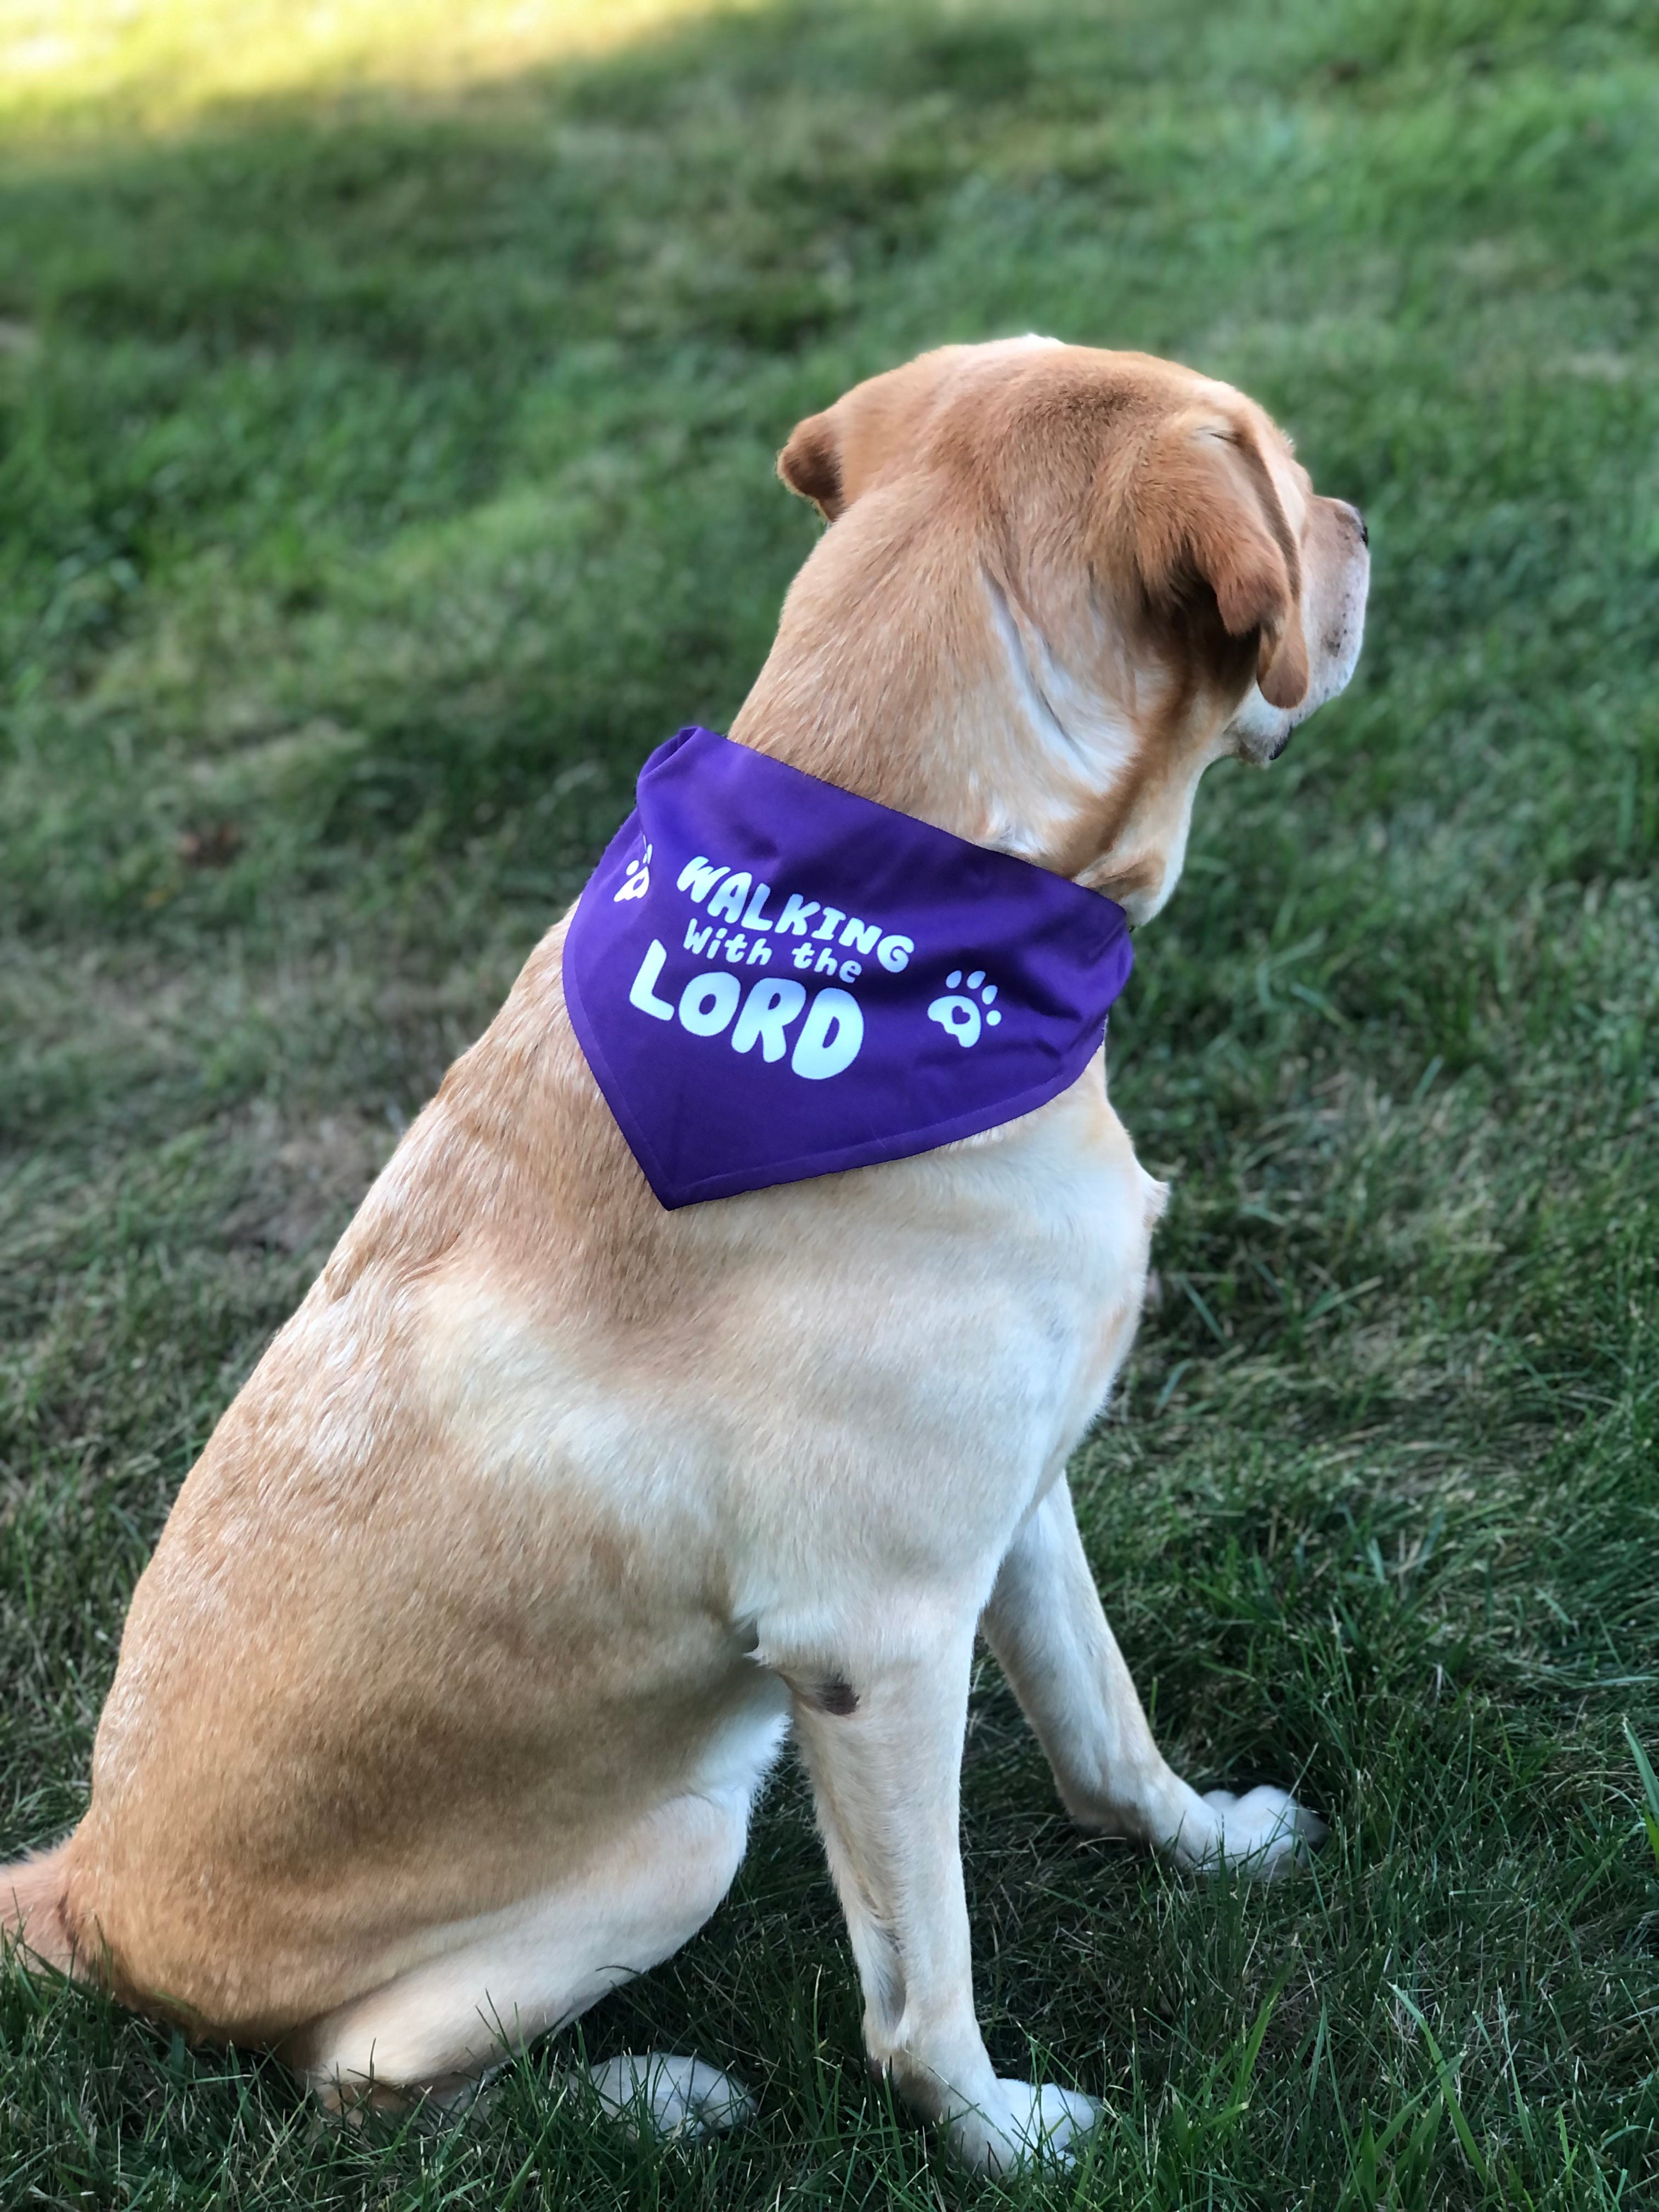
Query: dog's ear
(876,429)
(1203,506)
(811,464)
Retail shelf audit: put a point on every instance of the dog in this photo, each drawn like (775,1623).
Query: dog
(442,1704)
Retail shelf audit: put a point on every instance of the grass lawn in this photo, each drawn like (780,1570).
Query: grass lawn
(388,396)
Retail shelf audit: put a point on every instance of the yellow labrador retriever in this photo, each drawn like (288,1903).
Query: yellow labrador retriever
(442,1705)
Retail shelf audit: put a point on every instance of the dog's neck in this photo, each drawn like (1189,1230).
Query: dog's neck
(930,686)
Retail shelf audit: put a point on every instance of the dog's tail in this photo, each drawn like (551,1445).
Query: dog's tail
(34,1910)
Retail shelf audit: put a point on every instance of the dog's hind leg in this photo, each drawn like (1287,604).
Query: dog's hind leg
(488,1984)
(1046,1625)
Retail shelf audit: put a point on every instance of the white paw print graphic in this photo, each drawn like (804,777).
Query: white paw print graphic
(636,879)
(959,1017)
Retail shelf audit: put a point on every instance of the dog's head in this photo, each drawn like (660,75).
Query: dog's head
(1058,584)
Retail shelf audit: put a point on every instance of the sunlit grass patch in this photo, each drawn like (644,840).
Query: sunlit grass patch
(160,63)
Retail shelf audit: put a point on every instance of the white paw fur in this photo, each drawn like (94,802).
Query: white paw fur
(669,2096)
(1264,1833)
(1036,2124)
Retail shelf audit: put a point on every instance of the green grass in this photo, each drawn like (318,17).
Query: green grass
(385,467)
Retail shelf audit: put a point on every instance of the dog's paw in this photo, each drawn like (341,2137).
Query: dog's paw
(1263,1833)
(664,2095)
(1034,2125)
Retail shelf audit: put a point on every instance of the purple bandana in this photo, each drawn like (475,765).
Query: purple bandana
(772,979)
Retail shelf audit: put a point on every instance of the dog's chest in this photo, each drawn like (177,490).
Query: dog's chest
(970,1315)
(1071,1258)
(924,1374)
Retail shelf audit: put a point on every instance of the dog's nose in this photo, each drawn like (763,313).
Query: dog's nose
(1360,520)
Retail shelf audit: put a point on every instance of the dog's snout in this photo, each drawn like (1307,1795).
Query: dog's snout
(1358,521)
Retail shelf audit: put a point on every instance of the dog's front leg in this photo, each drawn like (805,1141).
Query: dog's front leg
(1046,1625)
(883,1743)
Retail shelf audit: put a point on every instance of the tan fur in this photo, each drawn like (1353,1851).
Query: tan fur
(440,1707)
(32,1908)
